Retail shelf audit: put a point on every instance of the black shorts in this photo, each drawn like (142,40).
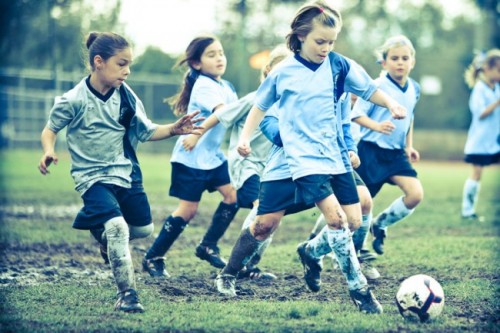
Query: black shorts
(189,183)
(378,165)
(103,202)
(277,195)
(249,192)
(314,188)
(482,160)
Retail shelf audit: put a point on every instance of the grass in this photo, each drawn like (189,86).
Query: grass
(461,255)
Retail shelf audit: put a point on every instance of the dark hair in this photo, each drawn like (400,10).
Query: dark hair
(104,44)
(302,23)
(180,101)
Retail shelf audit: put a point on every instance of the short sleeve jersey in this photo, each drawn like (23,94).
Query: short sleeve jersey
(207,94)
(306,95)
(233,116)
(407,96)
(102,133)
(484,134)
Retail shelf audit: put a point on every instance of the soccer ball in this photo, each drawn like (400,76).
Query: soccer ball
(420,296)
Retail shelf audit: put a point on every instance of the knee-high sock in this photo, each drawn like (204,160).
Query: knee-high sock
(172,228)
(359,236)
(319,245)
(470,197)
(341,243)
(120,260)
(254,261)
(223,216)
(393,214)
(243,250)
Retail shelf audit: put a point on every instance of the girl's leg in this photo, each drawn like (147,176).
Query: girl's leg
(471,192)
(224,214)
(398,210)
(117,235)
(174,225)
(365,199)
(246,246)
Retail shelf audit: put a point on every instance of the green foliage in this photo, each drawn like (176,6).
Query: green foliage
(154,60)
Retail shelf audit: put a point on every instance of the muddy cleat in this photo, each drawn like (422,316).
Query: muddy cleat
(365,260)
(312,268)
(128,301)
(103,250)
(378,241)
(226,284)
(210,254)
(365,300)
(255,274)
(155,267)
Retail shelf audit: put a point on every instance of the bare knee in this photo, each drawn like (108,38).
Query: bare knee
(414,197)
(141,231)
(263,228)
(365,199)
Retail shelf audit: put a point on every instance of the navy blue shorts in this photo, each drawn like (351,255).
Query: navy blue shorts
(189,183)
(277,195)
(378,165)
(102,202)
(314,188)
(482,160)
(249,192)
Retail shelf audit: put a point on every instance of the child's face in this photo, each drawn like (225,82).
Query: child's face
(318,43)
(213,61)
(493,73)
(399,63)
(114,71)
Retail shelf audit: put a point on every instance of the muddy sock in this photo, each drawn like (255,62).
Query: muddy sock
(341,243)
(120,260)
(359,236)
(223,216)
(319,246)
(243,250)
(470,197)
(172,228)
(254,261)
(393,214)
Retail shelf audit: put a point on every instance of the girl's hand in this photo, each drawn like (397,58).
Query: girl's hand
(397,111)
(244,148)
(413,154)
(355,161)
(186,125)
(190,142)
(45,161)
(385,127)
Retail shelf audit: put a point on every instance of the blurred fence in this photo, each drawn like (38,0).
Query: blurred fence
(26,97)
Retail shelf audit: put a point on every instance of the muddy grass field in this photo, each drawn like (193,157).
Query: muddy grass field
(52,278)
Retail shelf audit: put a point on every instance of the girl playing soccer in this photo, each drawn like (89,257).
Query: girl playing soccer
(306,88)
(105,120)
(483,141)
(204,167)
(388,144)
(244,171)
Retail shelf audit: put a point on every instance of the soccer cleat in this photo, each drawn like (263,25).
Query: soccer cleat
(365,300)
(226,284)
(473,217)
(378,241)
(210,254)
(255,274)
(128,301)
(365,260)
(155,267)
(312,268)
(103,250)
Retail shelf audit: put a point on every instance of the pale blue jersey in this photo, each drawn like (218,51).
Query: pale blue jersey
(207,94)
(407,96)
(306,95)
(484,134)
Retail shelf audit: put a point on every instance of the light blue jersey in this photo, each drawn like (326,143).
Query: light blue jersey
(407,96)
(484,134)
(207,94)
(306,95)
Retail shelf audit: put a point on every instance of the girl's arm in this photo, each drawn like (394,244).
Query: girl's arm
(48,139)
(190,141)
(185,125)
(253,120)
(385,127)
(489,109)
(382,99)
(412,153)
